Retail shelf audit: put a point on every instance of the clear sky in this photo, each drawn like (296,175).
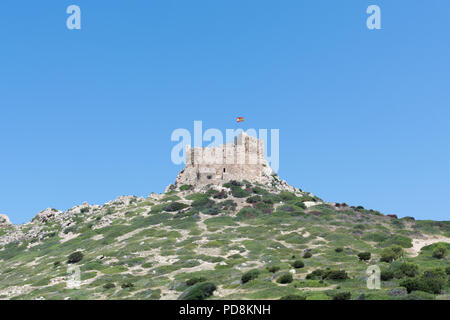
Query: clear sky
(86,115)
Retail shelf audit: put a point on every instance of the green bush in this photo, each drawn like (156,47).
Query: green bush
(342,296)
(327,274)
(175,206)
(307,255)
(297,264)
(109,285)
(336,275)
(408,270)
(439,252)
(316,274)
(447,270)
(300,204)
(286,196)
(285,278)
(248,213)
(249,275)
(364,256)
(339,249)
(75,257)
(238,192)
(390,254)
(198,291)
(273,269)
(431,281)
(386,275)
(185,187)
(193,281)
(127,285)
(253,199)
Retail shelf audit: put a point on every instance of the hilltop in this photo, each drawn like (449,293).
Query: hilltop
(223,238)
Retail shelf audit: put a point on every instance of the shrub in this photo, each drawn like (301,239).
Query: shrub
(221,195)
(175,206)
(342,296)
(327,274)
(249,275)
(285,278)
(247,213)
(254,199)
(307,255)
(238,192)
(109,285)
(233,183)
(409,270)
(447,270)
(286,196)
(364,256)
(386,275)
(336,275)
(316,274)
(297,264)
(339,249)
(293,297)
(185,187)
(75,257)
(84,210)
(198,291)
(390,254)
(193,281)
(431,281)
(439,252)
(127,285)
(273,269)
(300,204)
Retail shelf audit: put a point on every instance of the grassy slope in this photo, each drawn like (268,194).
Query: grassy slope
(157,251)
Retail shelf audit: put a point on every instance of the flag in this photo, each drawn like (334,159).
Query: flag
(239,119)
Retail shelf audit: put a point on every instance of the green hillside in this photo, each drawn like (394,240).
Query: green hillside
(236,241)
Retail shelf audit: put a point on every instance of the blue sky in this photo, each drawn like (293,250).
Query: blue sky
(86,115)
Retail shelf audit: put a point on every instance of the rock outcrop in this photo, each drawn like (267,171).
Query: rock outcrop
(4,220)
(47,215)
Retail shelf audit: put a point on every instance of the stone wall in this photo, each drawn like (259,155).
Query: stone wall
(242,160)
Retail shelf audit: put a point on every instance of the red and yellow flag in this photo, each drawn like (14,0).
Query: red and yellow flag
(239,119)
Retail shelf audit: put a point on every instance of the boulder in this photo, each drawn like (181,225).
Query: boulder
(47,215)
(4,220)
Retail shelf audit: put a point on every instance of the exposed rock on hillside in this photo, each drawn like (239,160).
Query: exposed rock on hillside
(47,215)
(4,220)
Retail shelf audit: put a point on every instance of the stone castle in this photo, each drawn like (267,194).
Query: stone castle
(242,160)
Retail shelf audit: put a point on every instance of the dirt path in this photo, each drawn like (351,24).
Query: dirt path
(418,244)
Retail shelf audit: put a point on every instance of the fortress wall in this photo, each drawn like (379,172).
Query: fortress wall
(242,160)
